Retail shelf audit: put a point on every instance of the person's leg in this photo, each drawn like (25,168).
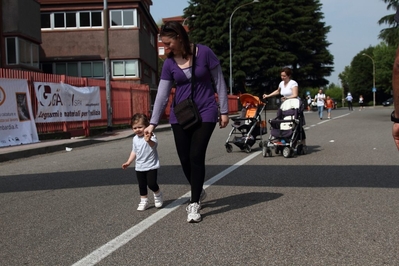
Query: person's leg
(153,185)
(191,147)
(142,180)
(199,146)
(152,180)
(320,111)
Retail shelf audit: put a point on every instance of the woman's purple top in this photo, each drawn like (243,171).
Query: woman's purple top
(206,66)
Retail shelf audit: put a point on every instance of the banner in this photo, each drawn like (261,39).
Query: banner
(17,125)
(59,102)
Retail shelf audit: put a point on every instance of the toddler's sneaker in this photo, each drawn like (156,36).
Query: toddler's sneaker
(193,215)
(158,200)
(143,205)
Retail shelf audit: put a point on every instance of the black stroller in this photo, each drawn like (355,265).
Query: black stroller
(249,127)
(286,130)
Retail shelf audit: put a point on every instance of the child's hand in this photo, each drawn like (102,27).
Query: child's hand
(147,136)
(125,165)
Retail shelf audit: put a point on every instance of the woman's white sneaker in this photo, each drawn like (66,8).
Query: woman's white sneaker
(193,215)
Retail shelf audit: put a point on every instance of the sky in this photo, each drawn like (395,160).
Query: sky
(354,26)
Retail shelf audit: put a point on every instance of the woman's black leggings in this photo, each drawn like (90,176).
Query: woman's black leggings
(191,147)
(147,178)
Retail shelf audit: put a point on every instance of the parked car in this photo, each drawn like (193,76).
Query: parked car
(388,102)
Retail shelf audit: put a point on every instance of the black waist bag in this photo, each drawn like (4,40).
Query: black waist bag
(187,114)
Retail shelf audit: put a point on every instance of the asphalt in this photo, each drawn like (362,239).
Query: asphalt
(55,145)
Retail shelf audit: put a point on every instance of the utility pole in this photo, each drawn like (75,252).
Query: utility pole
(107,69)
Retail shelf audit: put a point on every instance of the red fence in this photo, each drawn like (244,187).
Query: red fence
(127,98)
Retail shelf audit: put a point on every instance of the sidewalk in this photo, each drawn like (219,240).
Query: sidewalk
(48,146)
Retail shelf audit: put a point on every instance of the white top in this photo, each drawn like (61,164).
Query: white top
(146,156)
(320,97)
(286,90)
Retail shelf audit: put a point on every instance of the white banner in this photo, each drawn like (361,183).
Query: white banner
(17,125)
(59,102)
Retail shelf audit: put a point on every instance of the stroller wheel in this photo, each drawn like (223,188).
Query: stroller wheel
(287,151)
(229,148)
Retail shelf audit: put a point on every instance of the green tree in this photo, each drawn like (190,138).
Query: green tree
(266,36)
(384,56)
(360,78)
(390,35)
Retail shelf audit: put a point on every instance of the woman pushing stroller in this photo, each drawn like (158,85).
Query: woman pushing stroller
(288,88)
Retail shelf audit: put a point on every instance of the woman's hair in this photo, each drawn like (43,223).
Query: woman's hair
(175,30)
(140,118)
(287,71)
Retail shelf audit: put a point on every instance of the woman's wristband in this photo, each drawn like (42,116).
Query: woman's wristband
(393,118)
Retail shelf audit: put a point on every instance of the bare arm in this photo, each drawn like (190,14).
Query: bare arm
(132,157)
(274,93)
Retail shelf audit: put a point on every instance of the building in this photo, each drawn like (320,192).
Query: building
(78,36)
(20,35)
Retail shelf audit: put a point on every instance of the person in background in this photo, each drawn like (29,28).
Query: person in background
(329,106)
(349,99)
(145,153)
(319,99)
(309,101)
(191,144)
(395,88)
(361,102)
(288,88)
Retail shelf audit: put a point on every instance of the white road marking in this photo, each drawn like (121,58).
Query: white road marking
(105,250)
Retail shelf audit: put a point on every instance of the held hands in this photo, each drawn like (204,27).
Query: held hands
(147,136)
(149,130)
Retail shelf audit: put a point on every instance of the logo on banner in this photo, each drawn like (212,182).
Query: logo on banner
(47,98)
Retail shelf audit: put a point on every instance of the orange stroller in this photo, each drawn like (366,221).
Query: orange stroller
(249,126)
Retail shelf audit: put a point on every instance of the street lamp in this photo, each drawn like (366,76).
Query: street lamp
(231,65)
(184,21)
(374,89)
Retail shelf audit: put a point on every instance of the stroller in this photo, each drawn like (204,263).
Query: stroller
(286,130)
(249,127)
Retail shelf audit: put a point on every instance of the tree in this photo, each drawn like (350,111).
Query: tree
(360,75)
(266,36)
(390,35)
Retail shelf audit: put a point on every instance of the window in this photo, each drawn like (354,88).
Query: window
(11,51)
(21,52)
(59,20)
(161,51)
(90,19)
(125,68)
(45,21)
(123,18)
(76,69)
(71,20)
(152,39)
